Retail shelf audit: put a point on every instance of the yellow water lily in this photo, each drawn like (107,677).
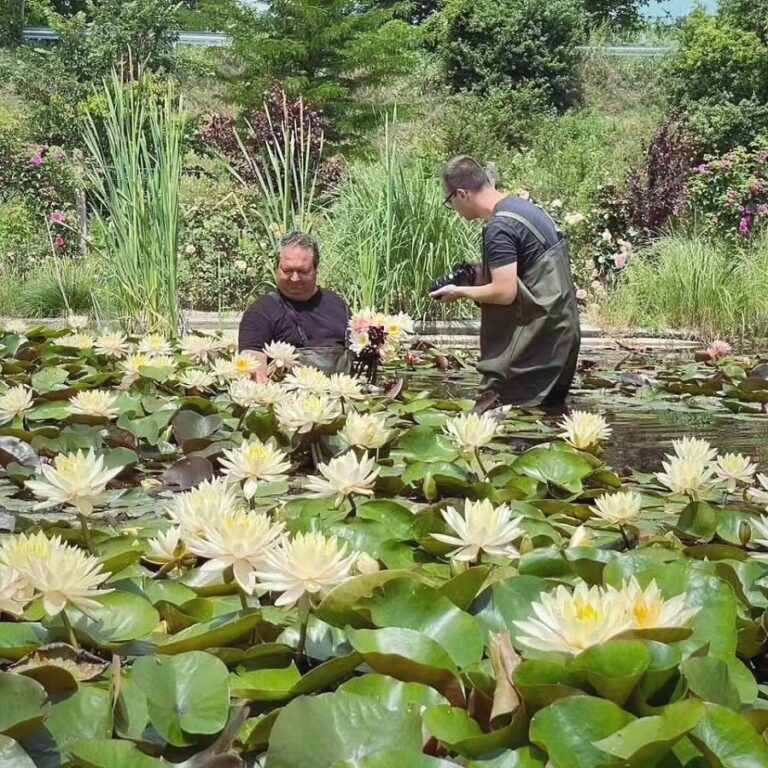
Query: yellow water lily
(345,476)
(366,430)
(95,402)
(211,498)
(305,378)
(649,610)
(301,413)
(255,462)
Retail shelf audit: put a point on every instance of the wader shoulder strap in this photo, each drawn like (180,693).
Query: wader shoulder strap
(294,316)
(532,228)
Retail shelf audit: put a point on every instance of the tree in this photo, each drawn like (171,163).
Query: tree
(620,13)
(330,52)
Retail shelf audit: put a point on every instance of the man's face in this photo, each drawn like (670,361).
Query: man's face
(296,273)
(461,201)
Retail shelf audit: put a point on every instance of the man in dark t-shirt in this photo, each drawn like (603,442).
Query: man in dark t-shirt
(299,312)
(529,323)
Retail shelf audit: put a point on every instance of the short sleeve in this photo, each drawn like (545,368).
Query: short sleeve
(257,326)
(501,245)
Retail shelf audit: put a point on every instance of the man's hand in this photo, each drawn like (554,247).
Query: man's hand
(448,294)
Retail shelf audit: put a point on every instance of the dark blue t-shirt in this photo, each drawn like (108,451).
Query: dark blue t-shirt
(507,241)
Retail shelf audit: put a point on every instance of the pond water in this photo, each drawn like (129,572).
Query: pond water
(643,428)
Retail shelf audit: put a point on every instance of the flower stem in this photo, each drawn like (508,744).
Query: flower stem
(480,463)
(86,533)
(243,600)
(70,630)
(304,611)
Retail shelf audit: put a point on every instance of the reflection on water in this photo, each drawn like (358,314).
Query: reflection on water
(642,432)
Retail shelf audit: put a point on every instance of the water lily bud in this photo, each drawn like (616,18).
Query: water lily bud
(526,545)
(581,537)
(366,564)
(745,533)
(458,566)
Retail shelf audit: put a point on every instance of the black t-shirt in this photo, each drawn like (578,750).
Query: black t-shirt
(507,241)
(274,317)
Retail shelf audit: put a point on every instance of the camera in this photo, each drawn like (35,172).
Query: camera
(462,273)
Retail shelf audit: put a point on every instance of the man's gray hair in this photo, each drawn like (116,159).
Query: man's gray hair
(296,239)
(464,172)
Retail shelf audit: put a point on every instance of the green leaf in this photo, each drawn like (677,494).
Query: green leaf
(340,726)
(507,601)
(326,674)
(406,655)
(462,589)
(568,729)
(189,425)
(12,755)
(120,617)
(265,684)
(642,743)
(425,444)
(22,705)
(405,603)
(527,757)
(393,694)
(542,682)
(728,740)
(396,759)
(17,640)
(186,694)
(613,668)
(708,678)
(219,631)
(49,379)
(547,464)
(395,517)
(109,753)
(698,520)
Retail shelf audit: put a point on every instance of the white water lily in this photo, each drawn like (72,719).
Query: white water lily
(77,322)
(301,413)
(690,476)
(365,564)
(345,387)
(57,572)
(307,564)
(255,462)
(245,363)
(345,476)
(15,403)
(211,498)
(366,430)
(570,622)
(16,327)
(694,449)
(196,378)
(167,547)
(471,431)
(79,479)
(164,361)
(77,341)
(252,394)
(759,533)
(584,430)
(239,539)
(201,347)
(760,495)
(482,528)
(305,378)
(95,402)
(396,326)
(155,344)
(112,345)
(734,469)
(647,609)
(132,368)
(281,355)
(223,370)
(619,508)
(14,592)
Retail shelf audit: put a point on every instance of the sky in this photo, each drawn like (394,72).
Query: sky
(676,8)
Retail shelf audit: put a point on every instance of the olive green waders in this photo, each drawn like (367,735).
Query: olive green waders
(529,349)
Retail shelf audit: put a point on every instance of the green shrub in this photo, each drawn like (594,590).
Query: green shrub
(23,241)
(10,21)
(513,43)
(718,62)
(721,126)
(623,14)
(750,15)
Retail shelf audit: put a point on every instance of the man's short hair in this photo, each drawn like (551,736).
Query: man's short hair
(296,239)
(464,172)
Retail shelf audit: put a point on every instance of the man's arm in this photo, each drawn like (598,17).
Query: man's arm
(256,330)
(502,289)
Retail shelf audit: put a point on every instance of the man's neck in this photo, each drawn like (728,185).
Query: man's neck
(487,200)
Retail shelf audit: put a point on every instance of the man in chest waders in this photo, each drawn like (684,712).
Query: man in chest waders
(529,322)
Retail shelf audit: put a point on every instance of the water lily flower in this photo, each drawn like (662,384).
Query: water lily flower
(248,393)
(95,402)
(344,387)
(734,469)
(15,403)
(649,610)
(197,378)
(132,368)
(694,449)
(760,495)
(167,547)
(759,533)
(620,508)
(77,341)
(201,347)
(112,345)
(16,327)
(719,348)
(365,564)
(308,564)
(79,479)
(570,622)
(584,430)
(211,498)
(483,528)
(14,592)
(689,476)
(155,344)
(281,355)
(301,413)
(239,539)
(471,431)
(255,462)
(368,430)
(245,363)
(305,378)
(344,476)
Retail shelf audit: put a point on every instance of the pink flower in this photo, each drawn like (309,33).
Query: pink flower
(704,168)
(57,217)
(411,358)
(745,225)
(59,241)
(620,260)
(581,294)
(756,187)
(359,324)
(762,209)
(719,348)
(36,160)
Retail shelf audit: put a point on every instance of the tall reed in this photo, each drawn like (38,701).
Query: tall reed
(135,172)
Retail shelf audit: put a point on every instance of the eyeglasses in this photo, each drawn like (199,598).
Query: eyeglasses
(448,202)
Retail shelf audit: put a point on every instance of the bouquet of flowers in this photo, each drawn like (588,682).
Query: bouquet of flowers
(377,338)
